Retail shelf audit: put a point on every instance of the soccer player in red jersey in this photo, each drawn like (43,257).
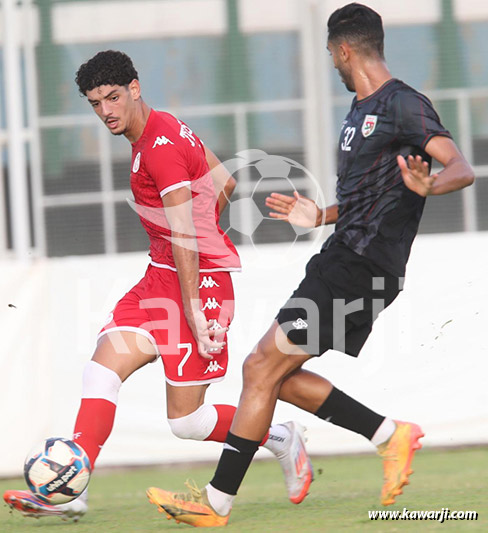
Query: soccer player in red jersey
(183,306)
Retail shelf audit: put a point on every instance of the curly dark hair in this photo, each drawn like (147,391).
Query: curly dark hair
(360,26)
(109,67)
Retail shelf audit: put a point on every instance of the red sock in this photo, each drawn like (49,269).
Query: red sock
(94,425)
(225,414)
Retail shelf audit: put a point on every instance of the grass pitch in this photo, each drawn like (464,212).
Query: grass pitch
(344,490)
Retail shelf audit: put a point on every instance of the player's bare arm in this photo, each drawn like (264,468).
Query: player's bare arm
(457,172)
(223,181)
(178,210)
(300,210)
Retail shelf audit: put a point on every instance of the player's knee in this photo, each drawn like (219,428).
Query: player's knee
(251,365)
(197,425)
(258,364)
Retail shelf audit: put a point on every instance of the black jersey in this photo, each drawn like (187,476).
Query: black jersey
(378,215)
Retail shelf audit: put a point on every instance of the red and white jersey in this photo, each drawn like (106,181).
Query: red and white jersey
(167,156)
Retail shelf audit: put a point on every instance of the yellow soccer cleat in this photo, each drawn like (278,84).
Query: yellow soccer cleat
(397,454)
(191,508)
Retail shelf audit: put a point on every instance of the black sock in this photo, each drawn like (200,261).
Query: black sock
(233,464)
(342,410)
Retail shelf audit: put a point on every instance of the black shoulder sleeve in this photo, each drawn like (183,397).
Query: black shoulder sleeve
(416,120)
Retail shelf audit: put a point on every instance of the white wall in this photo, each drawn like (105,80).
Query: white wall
(426,360)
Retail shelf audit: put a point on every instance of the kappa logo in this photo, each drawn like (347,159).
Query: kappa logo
(208,283)
(137,163)
(211,303)
(213,366)
(369,125)
(160,141)
(300,324)
(215,326)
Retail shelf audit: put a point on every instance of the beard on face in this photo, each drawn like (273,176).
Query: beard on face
(346,79)
(117,131)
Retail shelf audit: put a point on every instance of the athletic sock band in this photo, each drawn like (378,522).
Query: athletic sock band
(197,425)
(100,382)
(233,464)
(342,410)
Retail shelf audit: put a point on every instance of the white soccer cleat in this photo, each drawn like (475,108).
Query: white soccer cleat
(28,505)
(296,464)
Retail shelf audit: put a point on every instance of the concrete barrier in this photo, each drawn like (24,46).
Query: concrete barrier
(426,360)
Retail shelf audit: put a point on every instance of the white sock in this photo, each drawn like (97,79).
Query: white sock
(384,432)
(83,496)
(220,501)
(277,440)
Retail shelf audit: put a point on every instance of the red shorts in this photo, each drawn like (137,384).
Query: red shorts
(154,309)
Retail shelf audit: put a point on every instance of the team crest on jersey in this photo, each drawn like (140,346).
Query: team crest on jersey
(137,163)
(369,125)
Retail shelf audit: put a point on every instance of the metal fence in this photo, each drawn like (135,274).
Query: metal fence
(86,211)
(108,196)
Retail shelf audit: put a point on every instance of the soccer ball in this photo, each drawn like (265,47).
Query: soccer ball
(57,470)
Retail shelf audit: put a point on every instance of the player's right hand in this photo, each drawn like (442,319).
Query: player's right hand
(297,209)
(207,339)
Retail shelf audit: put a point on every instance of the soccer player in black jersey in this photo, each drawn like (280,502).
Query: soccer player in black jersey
(386,146)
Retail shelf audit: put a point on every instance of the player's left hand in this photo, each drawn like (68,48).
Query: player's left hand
(415,174)
(206,335)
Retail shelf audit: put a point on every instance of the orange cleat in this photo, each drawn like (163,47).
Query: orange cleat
(397,454)
(191,508)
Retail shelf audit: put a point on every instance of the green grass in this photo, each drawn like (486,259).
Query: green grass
(345,488)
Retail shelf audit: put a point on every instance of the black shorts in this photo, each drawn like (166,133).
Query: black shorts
(337,302)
